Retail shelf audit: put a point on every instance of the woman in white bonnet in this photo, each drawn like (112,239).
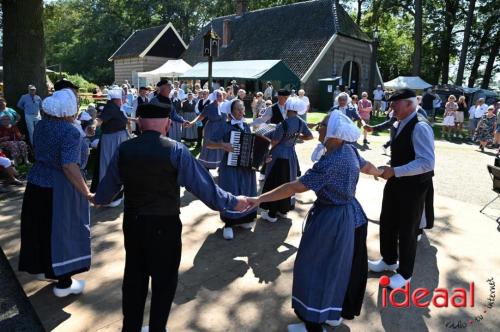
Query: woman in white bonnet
(55,220)
(329,276)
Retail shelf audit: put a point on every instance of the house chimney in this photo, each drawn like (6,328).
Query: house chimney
(241,7)
(226,32)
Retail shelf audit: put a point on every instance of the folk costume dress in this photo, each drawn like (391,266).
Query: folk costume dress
(55,218)
(329,276)
(175,131)
(234,179)
(216,119)
(284,165)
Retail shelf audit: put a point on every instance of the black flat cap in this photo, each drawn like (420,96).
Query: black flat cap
(162,82)
(64,84)
(151,111)
(283,92)
(402,94)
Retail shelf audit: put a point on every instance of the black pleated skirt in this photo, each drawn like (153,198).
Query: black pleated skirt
(278,175)
(353,300)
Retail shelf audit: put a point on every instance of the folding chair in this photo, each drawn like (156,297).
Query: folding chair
(495,177)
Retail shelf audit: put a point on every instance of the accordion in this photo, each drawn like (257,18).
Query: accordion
(249,150)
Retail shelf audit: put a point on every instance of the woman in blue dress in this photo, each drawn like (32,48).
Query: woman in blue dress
(234,179)
(328,280)
(55,218)
(284,164)
(211,158)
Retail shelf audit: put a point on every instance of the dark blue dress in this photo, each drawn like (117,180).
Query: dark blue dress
(55,217)
(211,158)
(323,265)
(236,180)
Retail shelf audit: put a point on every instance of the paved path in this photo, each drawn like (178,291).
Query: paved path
(245,284)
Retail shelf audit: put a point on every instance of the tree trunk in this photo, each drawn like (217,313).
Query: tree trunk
(495,48)
(23,48)
(465,43)
(417,53)
(358,16)
(451,7)
(479,54)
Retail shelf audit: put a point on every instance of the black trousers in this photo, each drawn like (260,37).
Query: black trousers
(402,208)
(153,250)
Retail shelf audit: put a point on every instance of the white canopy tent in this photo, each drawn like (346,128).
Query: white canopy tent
(171,69)
(407,82)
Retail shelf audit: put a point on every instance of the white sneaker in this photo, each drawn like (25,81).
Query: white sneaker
(146,329)
(419,237)
(114,203)
(227,233)
(248,225)
(265,215)
(281,215)
(76,287)
(380,265)
(397,281)
(300,327)
(262,177)
(334,323)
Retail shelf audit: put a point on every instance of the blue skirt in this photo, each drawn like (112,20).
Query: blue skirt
(189,134)
(238,181)
(175,131)
(210,158)
(323,265)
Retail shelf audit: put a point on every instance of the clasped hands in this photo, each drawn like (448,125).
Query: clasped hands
(386,172)
(246,203)
(187,124)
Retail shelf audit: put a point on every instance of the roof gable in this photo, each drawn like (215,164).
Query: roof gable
(267,34)
(162,41)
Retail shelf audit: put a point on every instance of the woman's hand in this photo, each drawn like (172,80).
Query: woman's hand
(253,202)
(228,147)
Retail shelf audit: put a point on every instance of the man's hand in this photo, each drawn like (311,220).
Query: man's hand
(187,124)
(242,205)
(387,172)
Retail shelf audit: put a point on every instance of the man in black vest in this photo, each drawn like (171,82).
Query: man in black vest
(409,178)
(276,113)
(151,224)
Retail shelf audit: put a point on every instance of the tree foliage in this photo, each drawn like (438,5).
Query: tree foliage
(82,34)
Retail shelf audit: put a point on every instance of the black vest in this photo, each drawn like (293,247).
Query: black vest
(277,116)
(403,151)
(149,179)
(188,107)
(140,101)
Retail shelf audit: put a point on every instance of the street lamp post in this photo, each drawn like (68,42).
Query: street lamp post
(373,67)
(210,50)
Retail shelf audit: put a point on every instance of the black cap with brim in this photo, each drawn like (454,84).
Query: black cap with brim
(402,94)
(162,82)
(151,111)
(64,84)
(283,92)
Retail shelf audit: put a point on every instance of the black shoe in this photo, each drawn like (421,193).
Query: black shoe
(365,141)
